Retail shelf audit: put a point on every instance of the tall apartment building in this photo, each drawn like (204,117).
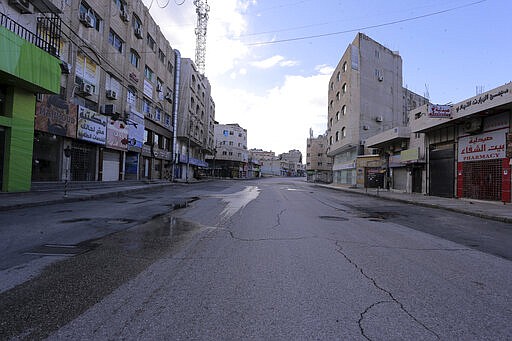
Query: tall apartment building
(195,121)
(365,97)
(29,64)
(231,158)
(318,164)
(113,117)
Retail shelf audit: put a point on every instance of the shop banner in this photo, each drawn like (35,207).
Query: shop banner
(485,146)
(117,135)
(92,126)
(56,116)
(135,130)
(439,111)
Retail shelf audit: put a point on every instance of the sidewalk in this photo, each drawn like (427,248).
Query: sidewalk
(48,194)
(484,209)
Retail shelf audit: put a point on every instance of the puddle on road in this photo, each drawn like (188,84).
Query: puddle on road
(236,201)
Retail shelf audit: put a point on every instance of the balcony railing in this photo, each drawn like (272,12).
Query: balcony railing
(48,37)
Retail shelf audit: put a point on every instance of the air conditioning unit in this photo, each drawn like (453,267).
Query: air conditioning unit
(86,89)
(86,19)
(379,119)
(138,33)
(159,88)
(380,78)
(168,97)
(124,16)
(23,6)
(472,126)
(366,127)
(111,94)
(65,67)
(108,109)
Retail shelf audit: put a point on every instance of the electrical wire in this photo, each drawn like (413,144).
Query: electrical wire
(365,27)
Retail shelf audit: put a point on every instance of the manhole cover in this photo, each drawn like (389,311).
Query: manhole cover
(59,250)
(333,218)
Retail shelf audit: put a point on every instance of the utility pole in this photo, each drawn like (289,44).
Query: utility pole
(202,9)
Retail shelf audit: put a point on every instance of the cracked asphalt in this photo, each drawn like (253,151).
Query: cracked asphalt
(281,259)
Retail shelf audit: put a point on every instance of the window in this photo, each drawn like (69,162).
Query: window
(161,55)
(230,153)
(239,154)
(230,132)
(158,113)
(239,134)
(343,132)
(96,20)
(330,103)
(136,23)
(377,54)
(344,67)
(338,76)
(167,120)
(330,122)
(230,143)
(156,138)
(319,154)
(170,67)
(338,116)
(332,85)
(131,96)
(225,132)
(134,58)
(224,153)
(147,137)
(344,110)
(151,42)
(115,41)
(146,107)
(148,73)
(338,96)
(337,136)
(319,163)
(344,88)
(330,140)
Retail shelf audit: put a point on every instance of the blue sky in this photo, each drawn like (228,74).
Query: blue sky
(277,91)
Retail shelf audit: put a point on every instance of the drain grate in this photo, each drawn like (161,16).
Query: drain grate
(59,250)
(333,218)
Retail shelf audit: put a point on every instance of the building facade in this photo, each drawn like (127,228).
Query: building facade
(195,122)
(365,98)
(112,119)
(318,164)
(231,157)
(30,38)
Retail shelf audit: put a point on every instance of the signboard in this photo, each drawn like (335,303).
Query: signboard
(439,111)
(56,116)
(486,146)
(91,126)
(410,155)
(135,130)
(148,88)
(117,135)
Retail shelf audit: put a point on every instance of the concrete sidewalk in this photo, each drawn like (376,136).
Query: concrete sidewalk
(484,209)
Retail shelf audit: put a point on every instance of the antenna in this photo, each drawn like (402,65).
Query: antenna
(479,90)
(202,9)
(310,133)
(427,94)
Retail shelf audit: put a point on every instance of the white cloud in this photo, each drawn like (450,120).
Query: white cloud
(274,61)
(280,119)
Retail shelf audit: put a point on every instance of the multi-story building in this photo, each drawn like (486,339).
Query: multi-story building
(261,155)
(30,41)
(195,122)
(112,118)
(318,164)
(294,159)
(231,158)
(365,98)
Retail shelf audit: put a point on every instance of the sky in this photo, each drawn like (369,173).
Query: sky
(269,62)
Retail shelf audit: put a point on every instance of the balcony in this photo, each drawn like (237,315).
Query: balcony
(48,33)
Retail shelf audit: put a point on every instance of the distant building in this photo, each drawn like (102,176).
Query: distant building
(318,164)
(365,97)
(230,158)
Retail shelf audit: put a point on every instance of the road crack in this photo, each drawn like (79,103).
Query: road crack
(385,291)
(279,219)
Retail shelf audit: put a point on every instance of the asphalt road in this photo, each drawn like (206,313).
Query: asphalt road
(269,259)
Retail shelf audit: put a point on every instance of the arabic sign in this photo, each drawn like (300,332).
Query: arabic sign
(92,126)
(439,111)
(486,146)
(483,101)
(56,116)
(117,135)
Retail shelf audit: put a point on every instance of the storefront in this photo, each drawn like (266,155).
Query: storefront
(483,165)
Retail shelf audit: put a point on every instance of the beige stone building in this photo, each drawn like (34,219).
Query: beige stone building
(318,164)
(195,122)
(365,98)
(231,157)
(114,112)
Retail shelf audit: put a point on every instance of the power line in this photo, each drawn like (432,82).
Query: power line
(366,27)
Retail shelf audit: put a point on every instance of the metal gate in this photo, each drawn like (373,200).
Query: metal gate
(482,180)
(83,162)
(442,172)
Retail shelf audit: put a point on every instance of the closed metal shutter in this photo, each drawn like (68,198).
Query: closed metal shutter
(442,172)
(482,180)
(110,166)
